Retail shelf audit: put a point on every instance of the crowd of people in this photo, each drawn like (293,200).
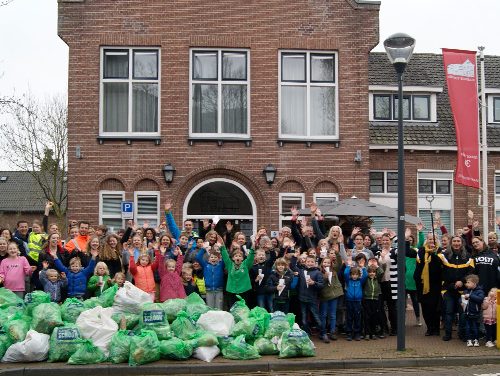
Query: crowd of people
(334,284)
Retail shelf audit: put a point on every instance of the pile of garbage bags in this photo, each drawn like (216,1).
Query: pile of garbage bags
(123,326)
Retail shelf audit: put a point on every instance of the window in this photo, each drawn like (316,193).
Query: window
(219,92)
(308,95)
(415,107)
(497,199)
(324,199)
(434,187)
(287,201)
(496,109)
(147,208)
(437,187)
(383,182)
(129,91)
(110,213)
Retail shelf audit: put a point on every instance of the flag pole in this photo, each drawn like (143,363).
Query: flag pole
(485,145)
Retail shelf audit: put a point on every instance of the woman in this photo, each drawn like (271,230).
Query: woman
(111,254)
(486,264)
(410,285)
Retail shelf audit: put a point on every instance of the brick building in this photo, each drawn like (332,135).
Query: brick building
(222,89)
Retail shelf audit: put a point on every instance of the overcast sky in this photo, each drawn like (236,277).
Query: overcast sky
(33,58)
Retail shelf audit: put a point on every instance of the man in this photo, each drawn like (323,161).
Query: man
(80,242)
(175,231)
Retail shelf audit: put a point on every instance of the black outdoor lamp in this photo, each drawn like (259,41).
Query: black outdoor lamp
(168,173)
(269,173)
(399,48)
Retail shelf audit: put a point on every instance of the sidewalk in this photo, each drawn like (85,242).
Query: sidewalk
(420,351)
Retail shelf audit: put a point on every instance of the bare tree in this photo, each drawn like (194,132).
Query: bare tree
(34,139)
(5,2)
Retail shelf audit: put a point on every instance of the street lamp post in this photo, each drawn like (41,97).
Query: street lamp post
(399,48)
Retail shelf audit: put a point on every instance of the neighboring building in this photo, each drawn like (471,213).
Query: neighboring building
(21,199)
(222,89)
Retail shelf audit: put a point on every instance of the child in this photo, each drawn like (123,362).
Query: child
(371,299)
(238,277)
(3,248)
(213,274)
(328,296)
(187,279)
(199,278)
(13,269)
(120,279)
(280,282)
(310,284)
(77,278)
(36,238)
(100,281)
(259,274)
(354,279)
(490,317)
(143,272)
(171,286)
(52,284)
(472,299)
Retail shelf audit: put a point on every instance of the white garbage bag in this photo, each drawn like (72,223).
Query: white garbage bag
(129,299)
(35,348)
(218,322)
(206,353)
(97,325)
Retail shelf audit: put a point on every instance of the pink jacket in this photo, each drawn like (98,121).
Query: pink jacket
(171,286)
(489,311)
(13,271)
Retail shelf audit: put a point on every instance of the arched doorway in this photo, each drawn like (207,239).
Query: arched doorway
(224,199)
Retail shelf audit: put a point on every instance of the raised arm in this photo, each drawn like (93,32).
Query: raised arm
(174,230)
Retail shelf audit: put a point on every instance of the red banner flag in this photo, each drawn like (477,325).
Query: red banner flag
(461,77)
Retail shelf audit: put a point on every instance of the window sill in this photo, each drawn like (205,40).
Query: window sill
(220,140)
(308,143)
(129,139)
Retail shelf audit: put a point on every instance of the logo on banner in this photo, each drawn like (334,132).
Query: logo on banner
(465,71)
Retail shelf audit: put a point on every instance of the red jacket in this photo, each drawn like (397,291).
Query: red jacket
(171,286)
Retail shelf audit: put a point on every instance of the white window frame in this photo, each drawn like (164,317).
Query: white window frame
(385,193)
(138,194)
(317,196)
(308,85)
(281,196)
(441,201)
(219,135)
(101,203)
(408,91)
(492,95)
(130,80)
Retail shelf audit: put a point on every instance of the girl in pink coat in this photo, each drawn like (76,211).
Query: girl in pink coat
(171,285)
(13,269)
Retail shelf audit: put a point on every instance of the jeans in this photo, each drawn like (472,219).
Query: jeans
(471,328)
(353,321)
(265,301)
(328,309)
(281,305)
(414,302)
(215,298)
(312,307)
(452,306)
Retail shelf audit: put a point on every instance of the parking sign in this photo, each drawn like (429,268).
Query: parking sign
(127,210)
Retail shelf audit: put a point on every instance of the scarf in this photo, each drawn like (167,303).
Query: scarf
(425,272)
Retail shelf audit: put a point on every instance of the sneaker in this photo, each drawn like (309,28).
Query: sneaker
(419,323)
(469,343)
(349,338)
(358,338)
(476,343)
(324,338)
(333,337)
(381,336)
(489,344)
(446,337)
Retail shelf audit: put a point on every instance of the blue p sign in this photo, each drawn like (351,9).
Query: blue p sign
(127,210)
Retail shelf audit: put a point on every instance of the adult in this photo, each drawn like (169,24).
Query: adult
(111,254)
(486,265)
(457,264)
(387,258)
(52,247)
(79,243)
(302,233)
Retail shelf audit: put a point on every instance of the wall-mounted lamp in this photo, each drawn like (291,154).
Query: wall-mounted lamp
(357,157)
(168,173)
(269,173)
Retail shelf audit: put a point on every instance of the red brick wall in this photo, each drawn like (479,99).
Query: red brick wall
(264,27)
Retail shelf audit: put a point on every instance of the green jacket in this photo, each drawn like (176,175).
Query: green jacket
(95,290)
(238,279)
(371,290)
(334,289)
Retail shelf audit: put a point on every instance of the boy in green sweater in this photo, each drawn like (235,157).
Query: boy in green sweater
(238,277)
(371,299)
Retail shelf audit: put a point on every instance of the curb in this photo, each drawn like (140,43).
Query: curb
(296,364)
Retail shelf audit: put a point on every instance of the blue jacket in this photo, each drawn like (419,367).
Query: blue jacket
(354,288)
(476,297)
(77,282)
(213,274)
(309,294)
(176,232)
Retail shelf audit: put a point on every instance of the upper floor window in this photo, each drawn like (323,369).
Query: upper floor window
(286,202)
(415,107)
(496,109)
(383,182)
(129,91)
(219,92)
(308,95)
(497,184)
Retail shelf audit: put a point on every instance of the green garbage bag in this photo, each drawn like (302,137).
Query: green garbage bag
(144,348)
(153,317)
(239,310)
(91,303)
(279,323)
(183,326)
(195,306)
(265,347)
(295,343)
(5,342)
(239,349)
(32,299)
(107,297)
(87,353)
(175,349)
(172,307)
(8,313)
(119,347)
(202,338)
(64,342)
(46,317)
(261,317)
(224,341)
(250,328)
(71,309)
(8,298)
(17,328)
(131,319)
